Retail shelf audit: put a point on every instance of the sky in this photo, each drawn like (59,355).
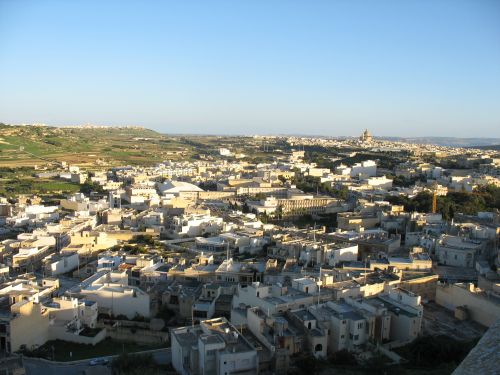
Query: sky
(334,67)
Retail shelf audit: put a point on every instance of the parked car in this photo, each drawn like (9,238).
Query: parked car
(99,361)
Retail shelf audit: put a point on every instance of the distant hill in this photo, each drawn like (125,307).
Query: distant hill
(490,147)
(449,141)
(86,145)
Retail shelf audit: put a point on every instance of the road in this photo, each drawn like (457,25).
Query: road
(9,365)
(37,366)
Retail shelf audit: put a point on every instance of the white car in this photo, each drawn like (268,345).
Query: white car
(99,361)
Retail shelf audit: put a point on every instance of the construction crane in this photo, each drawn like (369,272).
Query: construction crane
(434,202)
(434,197)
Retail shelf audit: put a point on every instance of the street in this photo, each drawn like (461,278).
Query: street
(37,366)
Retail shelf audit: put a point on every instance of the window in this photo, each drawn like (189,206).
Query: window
(342,336)
(360,325)
(318,348)
(309,325)
(356,337)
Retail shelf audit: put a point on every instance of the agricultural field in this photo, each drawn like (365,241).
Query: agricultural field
(26,151)
(88,147)
(21,180)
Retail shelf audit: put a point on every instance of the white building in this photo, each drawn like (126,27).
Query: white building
(224,152)
(271,299)
(364,169)
(113,294)
(177,187)
(333,255)
(194,225)
(406,313)
(381,182)
(109,261)
(347,327)
(458,251)
(213,347)
(307,285)
(58,264)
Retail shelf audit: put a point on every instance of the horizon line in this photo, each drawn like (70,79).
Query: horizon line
(90,125)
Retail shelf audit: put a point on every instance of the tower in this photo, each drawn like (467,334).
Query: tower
(366,136)
(114,200)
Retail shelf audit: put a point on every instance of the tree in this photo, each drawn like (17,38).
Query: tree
(279,212)
(342,193)
(134,364)
(432,351)
(343,358)
(89,186)
(145,239)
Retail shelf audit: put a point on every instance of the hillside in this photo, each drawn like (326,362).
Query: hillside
(86,146)
(448,141)
(490,147)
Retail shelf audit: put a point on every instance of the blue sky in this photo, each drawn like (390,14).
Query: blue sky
(403,68)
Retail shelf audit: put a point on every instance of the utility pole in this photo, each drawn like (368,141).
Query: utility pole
(366,266)
(319,286)
(192,316)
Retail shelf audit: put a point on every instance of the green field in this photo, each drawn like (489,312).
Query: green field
(22,181)
(29,145)
(95,148)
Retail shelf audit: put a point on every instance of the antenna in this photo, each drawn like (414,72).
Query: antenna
(366,266)
(319,286)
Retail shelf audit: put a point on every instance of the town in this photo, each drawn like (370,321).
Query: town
(250,255)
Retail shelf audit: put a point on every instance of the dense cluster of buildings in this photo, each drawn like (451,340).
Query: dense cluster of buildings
(246,290)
